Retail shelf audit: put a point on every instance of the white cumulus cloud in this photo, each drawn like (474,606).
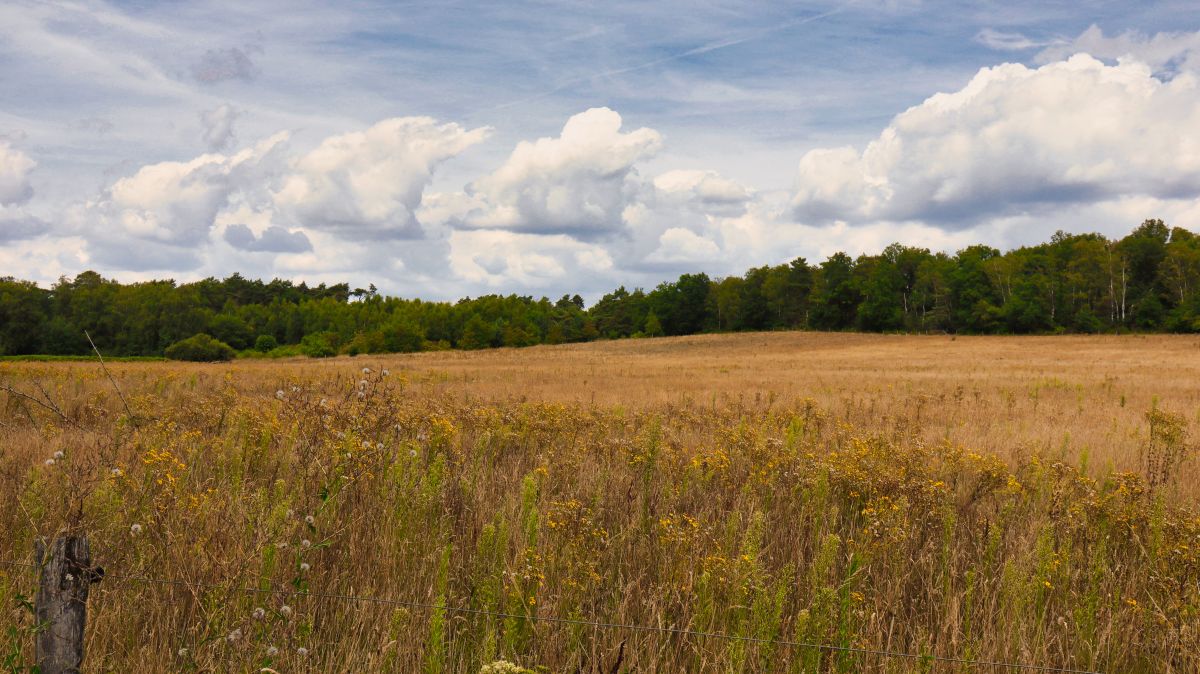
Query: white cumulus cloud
(369,184)
(15,167)
(176,203)
(1016,139)
(578,183)
(683,245)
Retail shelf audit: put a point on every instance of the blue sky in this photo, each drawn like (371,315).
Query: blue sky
(445,148)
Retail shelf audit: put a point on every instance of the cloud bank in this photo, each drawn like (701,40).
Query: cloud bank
(1079,142)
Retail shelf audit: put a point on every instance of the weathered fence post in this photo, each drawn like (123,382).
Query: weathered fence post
(61,603)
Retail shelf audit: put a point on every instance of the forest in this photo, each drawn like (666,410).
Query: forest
(1148,281)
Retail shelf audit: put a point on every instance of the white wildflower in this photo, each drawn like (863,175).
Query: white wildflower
(49,462)
(183,652)
(279,394)
(135,529)
(366,370)
(295,389)
(386,372)
(412,453)
(70,577)
(116,472)
(304,567)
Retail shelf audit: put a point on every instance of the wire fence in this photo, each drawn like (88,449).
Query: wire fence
(595,624)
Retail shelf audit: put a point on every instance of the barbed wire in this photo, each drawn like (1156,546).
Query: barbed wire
(631,627)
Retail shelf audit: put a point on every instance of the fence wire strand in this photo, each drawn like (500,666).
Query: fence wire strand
(630,627)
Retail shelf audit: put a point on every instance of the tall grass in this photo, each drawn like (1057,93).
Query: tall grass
(776,522)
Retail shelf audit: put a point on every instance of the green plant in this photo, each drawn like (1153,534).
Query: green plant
(200,348)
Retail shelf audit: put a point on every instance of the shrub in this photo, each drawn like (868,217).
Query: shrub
(265,343)
(200,348)
(319,345)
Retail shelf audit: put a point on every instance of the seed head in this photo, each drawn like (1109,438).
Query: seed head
(135,529)
(306,543)
(285,611)
(272,651)
(304,567)
(279,394)
(302,651)
(49,462)
(366,370)
(259,613)
(59,454)
(310,520)
(234,636)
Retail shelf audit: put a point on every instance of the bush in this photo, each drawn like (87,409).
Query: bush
(200,348)
(319,345)
(265,343)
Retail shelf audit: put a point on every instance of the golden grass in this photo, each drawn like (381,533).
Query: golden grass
(973,497)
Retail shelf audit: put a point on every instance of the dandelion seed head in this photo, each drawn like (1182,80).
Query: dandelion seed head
(259,613)
(285,611)
(309,519)
(59,454)
(272,651)
(279,394)
(366,370)
(304,567)
(116,472)
(49,462)
(234,635)
(302,651)
(183,652)
(135,529)
(306,543)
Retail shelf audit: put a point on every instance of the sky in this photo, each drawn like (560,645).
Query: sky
(441,149)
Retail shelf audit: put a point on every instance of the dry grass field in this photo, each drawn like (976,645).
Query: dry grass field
(1027,500)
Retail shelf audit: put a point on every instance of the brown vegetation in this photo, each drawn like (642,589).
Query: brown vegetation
(1016,499)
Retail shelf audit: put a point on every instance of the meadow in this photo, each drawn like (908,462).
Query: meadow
(768,502)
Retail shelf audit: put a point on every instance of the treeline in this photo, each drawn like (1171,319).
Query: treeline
(1146,281)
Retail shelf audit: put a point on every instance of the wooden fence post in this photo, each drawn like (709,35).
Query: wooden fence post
(61,603)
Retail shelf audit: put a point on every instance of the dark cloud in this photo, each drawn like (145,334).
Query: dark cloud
(275,239)
(218,65)
(18,226)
